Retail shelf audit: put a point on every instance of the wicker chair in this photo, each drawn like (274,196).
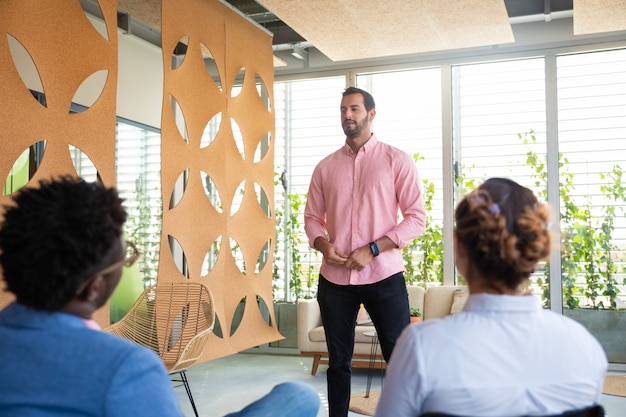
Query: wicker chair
(175,320)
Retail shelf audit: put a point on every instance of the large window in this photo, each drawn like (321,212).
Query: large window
(138,168)
(499,126)
(591,90)
(308,128)
(139,183)
(408,116)
(552,121)
(592,145)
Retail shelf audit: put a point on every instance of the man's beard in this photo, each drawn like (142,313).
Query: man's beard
(356,130)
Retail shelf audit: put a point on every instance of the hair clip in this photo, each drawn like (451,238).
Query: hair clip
(494,208)
(478,198)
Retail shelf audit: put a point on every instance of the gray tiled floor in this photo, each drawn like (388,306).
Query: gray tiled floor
(227,384)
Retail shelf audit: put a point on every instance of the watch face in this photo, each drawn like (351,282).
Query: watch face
(374,249)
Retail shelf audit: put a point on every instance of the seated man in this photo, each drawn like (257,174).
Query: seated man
(62,251)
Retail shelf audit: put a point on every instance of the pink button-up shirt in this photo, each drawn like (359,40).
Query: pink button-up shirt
(355,199)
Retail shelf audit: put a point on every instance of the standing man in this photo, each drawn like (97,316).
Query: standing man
(351,217)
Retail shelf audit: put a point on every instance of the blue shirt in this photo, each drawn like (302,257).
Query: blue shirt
(500,356)
(52,364)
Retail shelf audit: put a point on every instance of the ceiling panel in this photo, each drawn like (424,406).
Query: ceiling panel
(374,28)
(596,16)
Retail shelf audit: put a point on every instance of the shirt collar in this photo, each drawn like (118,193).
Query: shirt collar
(23,316)
(497,302)
(369,145)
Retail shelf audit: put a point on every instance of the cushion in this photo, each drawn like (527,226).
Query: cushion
(317,334)
(458,300)
(363,317)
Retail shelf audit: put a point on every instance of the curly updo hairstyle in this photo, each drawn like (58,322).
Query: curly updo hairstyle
(55,236)
(504,229)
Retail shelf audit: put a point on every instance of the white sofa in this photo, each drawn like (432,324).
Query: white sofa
(434,302)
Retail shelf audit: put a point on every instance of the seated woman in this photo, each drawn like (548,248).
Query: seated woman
(503,355)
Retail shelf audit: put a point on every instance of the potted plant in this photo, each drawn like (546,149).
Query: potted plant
(416,314)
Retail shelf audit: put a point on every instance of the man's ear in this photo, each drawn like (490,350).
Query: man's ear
(95,288)
(372,114)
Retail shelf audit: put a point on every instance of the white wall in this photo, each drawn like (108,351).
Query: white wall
(140,81)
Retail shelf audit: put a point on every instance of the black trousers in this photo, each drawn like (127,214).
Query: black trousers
(386,302)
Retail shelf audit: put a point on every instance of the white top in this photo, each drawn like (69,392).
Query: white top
(501,356)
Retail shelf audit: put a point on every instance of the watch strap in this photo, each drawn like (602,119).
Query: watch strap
(374,249)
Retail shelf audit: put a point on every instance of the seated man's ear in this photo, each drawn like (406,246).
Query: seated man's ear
(101,288)
(93,289)
(97,288)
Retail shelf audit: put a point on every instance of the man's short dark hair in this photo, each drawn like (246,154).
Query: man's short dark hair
(54,237)
(368,100)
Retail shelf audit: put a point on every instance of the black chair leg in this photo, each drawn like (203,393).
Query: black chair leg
(183,379)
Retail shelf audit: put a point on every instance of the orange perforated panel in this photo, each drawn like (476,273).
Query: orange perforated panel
(63,51)
(225,175)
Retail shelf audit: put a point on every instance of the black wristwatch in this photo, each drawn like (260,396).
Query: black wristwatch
(374,249)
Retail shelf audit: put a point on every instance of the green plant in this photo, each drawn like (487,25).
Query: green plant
(280,231)
(423,257)
(415,312)
(142,228)
(293,242)
(616,191)
(569,212)
(586,237)
(289,232)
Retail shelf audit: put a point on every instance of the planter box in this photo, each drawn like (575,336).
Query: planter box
(287,320)
(608,326)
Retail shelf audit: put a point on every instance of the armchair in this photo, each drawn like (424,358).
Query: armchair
(175,320)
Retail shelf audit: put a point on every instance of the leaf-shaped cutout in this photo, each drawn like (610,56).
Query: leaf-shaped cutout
(238,316)
(211,257)
(18,176)
(238,138)
(238,198)
(210,130)
(263,93)
(211,65)
(179,53)
(241,75)
(25,66)
(264,256)
(176,326)
(178,254)
(237,253)
(90,90)
(264,202)
(177,111)
(217,327)
(264,310)
(207,310)
(263,147)
(95,10)
(84,166)
(179,188)
(211,191)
